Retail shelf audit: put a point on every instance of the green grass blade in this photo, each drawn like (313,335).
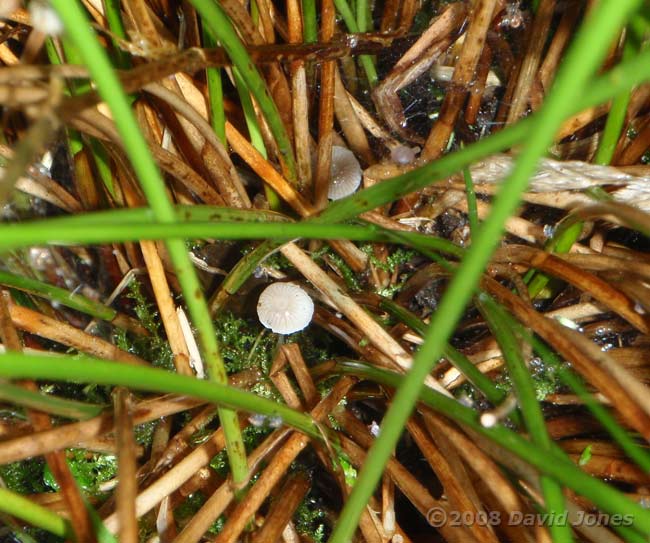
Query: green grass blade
(615,117)
(25,509)
(61,232)
(48,404)
(586,52)
(59,295)
(530,409)
(81,35)
(617,80)
(548,463)
(218,22)
(92,370)
(344,9)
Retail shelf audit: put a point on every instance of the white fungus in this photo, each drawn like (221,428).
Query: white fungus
(345,173)
(257,420)
(285,308)
(44,18)
(403,154)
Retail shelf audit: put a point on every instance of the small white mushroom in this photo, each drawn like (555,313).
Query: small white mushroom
(44,18)
(403,154)
(285,308)
(345,173)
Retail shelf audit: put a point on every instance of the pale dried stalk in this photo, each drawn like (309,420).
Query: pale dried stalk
(516,226)
(301,372)
(388,506)
(282,509)
(172,479)
(96,124)
(371,125)
(300,113)
(416,493)
(434,41)
(180,442)
(49,328)
(226,176)
(140,18)
(72,435)
(166,307)
(325,111)
(41,421)
(629,396)
(602,291)
(278,375)
(561,37)
(277,467)
(578,121)
(299,92)
(381,339)
(353,256)
(528,72)
(127,487)
(463,76)
(443,460)
(481,464)
(476,96)
(350,124)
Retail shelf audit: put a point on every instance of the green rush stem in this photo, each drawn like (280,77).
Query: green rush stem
(364,16)
(25,509)
(116,25)
(240,273)
(483,383)
(49,404)
(529,406)
(548,463)
(135,146)
(59,232)
(57,294)
(92,370)
(583,57)
(615,117)
(222,29)
(254,131)
(344,9)
(309,21)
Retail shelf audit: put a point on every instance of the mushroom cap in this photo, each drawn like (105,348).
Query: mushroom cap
(44,18)
(345,173)
(285,308)
(403,154)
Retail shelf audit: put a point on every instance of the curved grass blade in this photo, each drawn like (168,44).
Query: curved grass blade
(219,23)
(92,370)
(494,314)
(549,463)
(48,404)
(81,35)
(586,52)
